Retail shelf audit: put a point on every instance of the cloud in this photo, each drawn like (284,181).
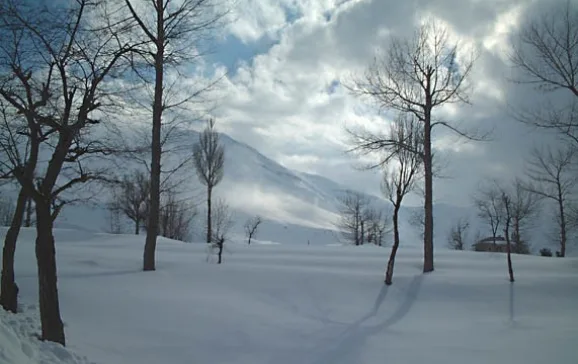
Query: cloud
(288,100)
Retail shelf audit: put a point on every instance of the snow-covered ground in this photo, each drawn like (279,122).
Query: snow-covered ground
(284,304)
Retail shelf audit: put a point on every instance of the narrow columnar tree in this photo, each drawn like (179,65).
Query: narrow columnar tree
(209,161)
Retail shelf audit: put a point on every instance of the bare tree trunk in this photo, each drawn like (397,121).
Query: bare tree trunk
(137,227)
(8,288)
(509,252)
(156,148)
(562,225)
(391,262)
(220,254)
(28,221)
(428,259)
(209,222)
(52,327)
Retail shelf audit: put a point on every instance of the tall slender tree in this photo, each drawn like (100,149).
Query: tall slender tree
(177,33)
(209,161)
(416,77)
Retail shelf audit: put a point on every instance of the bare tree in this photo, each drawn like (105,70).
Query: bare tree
(398,183)
(251,227)
(459,234)
(223,223)
(552,177)
(176,217)
(15,147)
(489,204)
(209,161)
(7,209)
(131,197)
(524,207)
(416,77)
(54,65)
(546,52)
(114,226)
(176,32)
(353,208)
(377,225)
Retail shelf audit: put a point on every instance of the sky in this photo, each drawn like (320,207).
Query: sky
(287,60)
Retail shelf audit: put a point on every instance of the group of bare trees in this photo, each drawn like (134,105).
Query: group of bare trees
(510,208)
(546,54)
(359,222)
(414,78)
(56,61)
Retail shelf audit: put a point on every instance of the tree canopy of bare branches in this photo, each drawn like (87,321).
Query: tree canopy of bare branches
(488,202)
(54,64)
(176,32)
(209,162)
(396,184)
(459,234)
(360,222)
(551,176)
(546,53)
(131,198)
(416,77)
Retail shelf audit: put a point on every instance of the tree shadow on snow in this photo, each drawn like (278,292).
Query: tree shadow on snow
(347,346)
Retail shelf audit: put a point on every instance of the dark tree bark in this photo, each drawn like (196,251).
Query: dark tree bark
(52,326)
(391,261)
(506,205)
(29,212)
(156,148)
(8,288)
(428,253)
(209,214)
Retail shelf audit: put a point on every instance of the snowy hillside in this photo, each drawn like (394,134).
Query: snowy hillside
(297,207)
(295,304)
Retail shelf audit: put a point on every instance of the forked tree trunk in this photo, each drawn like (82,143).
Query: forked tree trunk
(8,287)
(391,262)
(52,327)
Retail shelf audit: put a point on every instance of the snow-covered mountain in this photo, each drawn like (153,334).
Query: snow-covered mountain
(297,207)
